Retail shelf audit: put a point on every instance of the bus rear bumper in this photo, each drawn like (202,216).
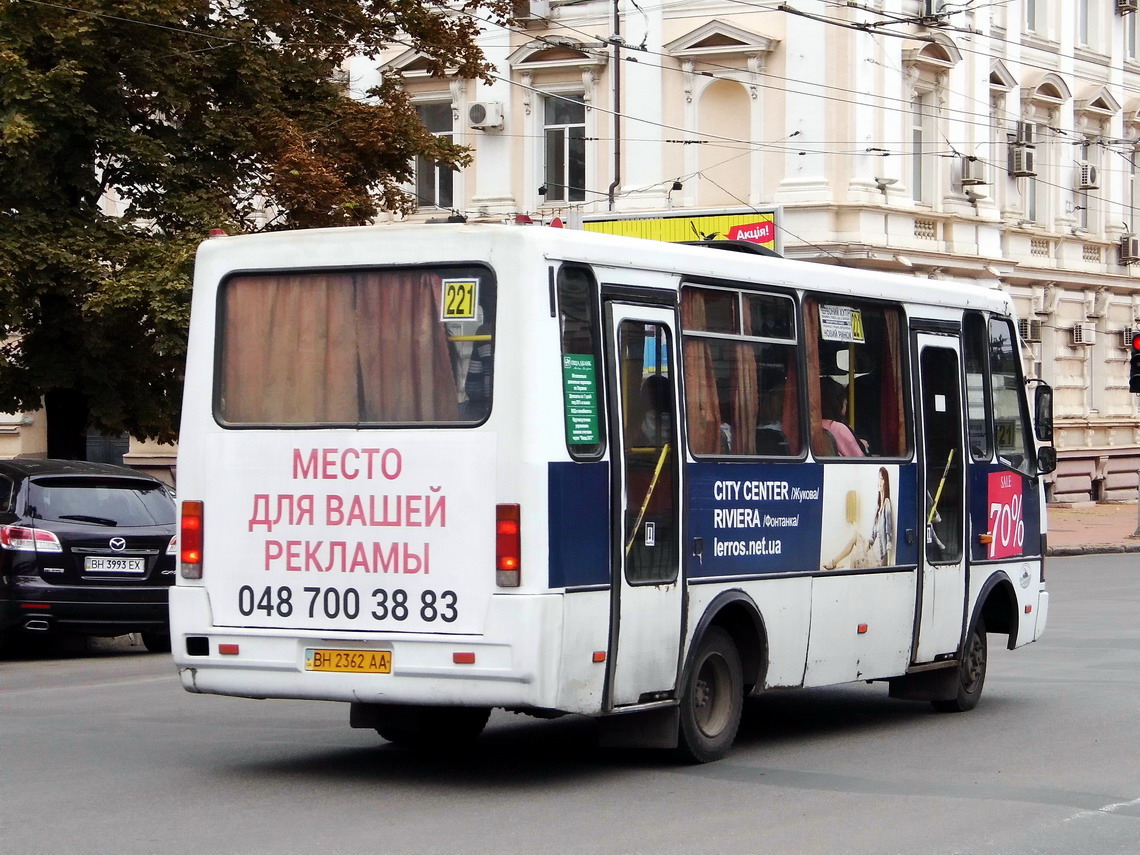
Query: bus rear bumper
(1042,614)
(502,667)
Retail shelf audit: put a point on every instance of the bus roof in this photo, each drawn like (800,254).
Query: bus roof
(423,243)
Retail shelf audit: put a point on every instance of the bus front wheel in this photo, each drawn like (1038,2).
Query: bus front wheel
(431,727)
(712,700)
(971,672)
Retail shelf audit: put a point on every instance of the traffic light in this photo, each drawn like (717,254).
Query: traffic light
(1134,370)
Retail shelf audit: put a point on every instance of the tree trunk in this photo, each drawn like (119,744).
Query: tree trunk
(67,414)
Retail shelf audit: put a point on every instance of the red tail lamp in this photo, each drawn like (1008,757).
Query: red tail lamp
(190,540)
(508,540)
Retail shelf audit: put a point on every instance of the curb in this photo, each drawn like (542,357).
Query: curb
(1094,549)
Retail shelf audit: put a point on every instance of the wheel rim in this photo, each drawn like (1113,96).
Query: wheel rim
(712,696)
(974,665)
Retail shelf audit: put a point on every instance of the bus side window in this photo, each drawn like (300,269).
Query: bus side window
(1011,438)
(855,388)
(975,346)
(741,369)
(581,361)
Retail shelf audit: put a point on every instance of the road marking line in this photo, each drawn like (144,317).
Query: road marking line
(73,686)
(1113,808)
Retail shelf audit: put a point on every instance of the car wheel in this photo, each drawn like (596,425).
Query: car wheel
(432,727)
(157,642)
(971,672)
(713,699)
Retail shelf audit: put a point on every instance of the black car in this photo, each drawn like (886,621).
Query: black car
(85,548)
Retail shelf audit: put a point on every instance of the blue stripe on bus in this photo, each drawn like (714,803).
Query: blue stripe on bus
(768,518)
(754,518)
(579,523)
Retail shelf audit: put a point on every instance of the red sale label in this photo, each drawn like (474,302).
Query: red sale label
(762,232)
(1007,527)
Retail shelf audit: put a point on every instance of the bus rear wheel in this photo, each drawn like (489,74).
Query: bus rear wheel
(431,727)
(712,700)
(971,672)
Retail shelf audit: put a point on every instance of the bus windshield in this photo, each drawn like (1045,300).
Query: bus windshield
(400,346)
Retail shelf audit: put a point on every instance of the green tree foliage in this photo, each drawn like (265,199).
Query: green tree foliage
(189,115)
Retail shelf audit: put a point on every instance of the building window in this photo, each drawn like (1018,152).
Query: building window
(921,140)
(1130,45)
(434,181)
(1031,15)
(564,134)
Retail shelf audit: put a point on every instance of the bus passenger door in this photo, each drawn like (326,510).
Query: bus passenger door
(645,632)
(942,528)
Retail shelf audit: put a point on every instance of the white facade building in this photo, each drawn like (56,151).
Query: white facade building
(995,144)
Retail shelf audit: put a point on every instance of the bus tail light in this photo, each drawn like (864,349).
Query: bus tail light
(507,546)
(190,540)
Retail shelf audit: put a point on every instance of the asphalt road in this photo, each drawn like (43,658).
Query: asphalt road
(102,752)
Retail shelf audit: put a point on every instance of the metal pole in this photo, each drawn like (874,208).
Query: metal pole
(617,42)
(1137,532)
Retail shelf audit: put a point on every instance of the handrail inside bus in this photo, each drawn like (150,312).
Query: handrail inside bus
(483,337)
(648,496)
(938,492)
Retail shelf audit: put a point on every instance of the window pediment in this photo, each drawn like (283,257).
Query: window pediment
(1049,92)
(1098,103)
(937,54)
(544,56)
(414,64)
(1001,80)
(717,38)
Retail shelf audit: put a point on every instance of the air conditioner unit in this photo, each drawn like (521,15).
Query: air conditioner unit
(531,10)
(1029,330)
(973,171)
(1087,177)
(1126,6)
(1024,133)
(485,114)
(1022,161)
(1129,249)
(1083,334)
(932,11)
(1126,337)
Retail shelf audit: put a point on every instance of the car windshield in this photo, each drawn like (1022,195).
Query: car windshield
(109,503)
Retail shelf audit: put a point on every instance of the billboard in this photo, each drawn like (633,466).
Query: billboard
(753,226)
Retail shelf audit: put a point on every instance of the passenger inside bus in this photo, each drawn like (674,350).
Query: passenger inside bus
(657,398)
(770,436)
(833,406)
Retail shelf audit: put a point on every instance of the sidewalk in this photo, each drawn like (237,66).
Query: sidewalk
(1089,527)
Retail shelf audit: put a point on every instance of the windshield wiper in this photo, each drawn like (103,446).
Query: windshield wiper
(85,518)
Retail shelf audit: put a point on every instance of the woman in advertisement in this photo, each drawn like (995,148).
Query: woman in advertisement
(878,549)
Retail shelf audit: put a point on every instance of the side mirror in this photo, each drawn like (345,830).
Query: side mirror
(1046,459)
(1043,413)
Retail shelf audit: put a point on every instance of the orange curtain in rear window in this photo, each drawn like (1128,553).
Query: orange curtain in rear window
(336,348)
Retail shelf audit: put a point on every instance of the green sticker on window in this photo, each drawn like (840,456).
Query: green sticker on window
(580,387)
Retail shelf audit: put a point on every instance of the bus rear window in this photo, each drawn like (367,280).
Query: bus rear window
(399,346)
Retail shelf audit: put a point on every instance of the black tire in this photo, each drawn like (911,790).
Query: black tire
(971,672)
(712,699)
(432,727)
(156,642)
